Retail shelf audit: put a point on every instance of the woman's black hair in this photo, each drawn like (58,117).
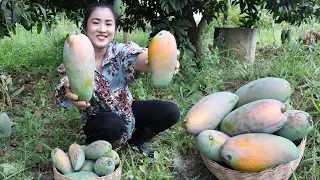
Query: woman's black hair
(95,5)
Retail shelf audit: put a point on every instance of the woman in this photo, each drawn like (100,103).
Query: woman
(111,114)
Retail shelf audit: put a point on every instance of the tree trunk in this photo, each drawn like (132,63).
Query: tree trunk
(195,31)
(225,13)
(125,37)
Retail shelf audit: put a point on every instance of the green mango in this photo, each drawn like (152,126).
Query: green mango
(97,149)
(82,175)
(5,125)
(209,143)
(76,155)
(104,166)
(264,88)
(298,125)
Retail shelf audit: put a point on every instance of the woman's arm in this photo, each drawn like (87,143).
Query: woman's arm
(141,63)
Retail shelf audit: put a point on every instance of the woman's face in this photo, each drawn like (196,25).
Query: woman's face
(101,28)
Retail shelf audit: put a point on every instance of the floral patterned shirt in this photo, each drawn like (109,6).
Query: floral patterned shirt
(112,93)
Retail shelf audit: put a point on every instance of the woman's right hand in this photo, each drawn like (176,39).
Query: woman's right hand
(74,98)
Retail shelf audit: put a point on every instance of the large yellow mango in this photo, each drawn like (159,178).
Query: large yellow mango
(258,151)
(79,63)
(162,56)
(264,88)
(61,161)
(209,111)
(261,116)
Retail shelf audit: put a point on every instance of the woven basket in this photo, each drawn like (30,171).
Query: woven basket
(115,175)
(280,172)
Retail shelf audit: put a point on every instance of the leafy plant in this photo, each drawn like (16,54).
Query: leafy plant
(7,90)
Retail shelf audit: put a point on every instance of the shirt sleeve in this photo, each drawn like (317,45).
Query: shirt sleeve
(60,91)
(129,53)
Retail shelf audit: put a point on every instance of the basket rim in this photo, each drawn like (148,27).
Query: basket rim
(118,169)
(301,148)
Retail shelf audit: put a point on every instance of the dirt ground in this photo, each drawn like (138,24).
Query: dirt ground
(190,166)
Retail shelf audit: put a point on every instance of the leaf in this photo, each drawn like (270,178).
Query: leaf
(156,155)
(4,4)
(18,91)
(39,28)
(42,10)
(16,15)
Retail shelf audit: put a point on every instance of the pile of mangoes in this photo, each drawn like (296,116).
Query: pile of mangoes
(252,129)
(94,160)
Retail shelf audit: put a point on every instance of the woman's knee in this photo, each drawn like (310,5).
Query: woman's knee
(106,126)
(173,113)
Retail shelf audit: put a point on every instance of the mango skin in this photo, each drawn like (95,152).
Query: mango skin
(97,149)
(298,125)
(261,116)
(256,152)
(104,166)
(5,125)
(209,112)
(264,88)
(61,161)
(87,166)
(82,175)
(209,143)
(76,155)
(162,57)
(79,63)
(115,157)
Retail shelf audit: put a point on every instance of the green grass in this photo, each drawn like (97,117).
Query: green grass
(41,125)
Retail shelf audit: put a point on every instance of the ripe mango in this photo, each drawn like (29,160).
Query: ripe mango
(209,111)
(209,143)
(76,155)
(82,175)
(298,125)
(115,157)
(61,161)
(264,88)
(87,166)
(5,125)
(79,63)
(261,116)
(258,151)
(97,149)
(104,166)
(162,57)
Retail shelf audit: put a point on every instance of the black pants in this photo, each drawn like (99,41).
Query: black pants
(156,115)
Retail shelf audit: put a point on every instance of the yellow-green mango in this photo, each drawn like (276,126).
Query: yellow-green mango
(61,161)
(162,57)
(209,143)
(76,155)
(104,166)
(79,63)
(87,166)
(115,157)
(97,149)
(209,111)
(261,116)
(256,152)
(5,125)
(298,125)
(264,88)
(82,175)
